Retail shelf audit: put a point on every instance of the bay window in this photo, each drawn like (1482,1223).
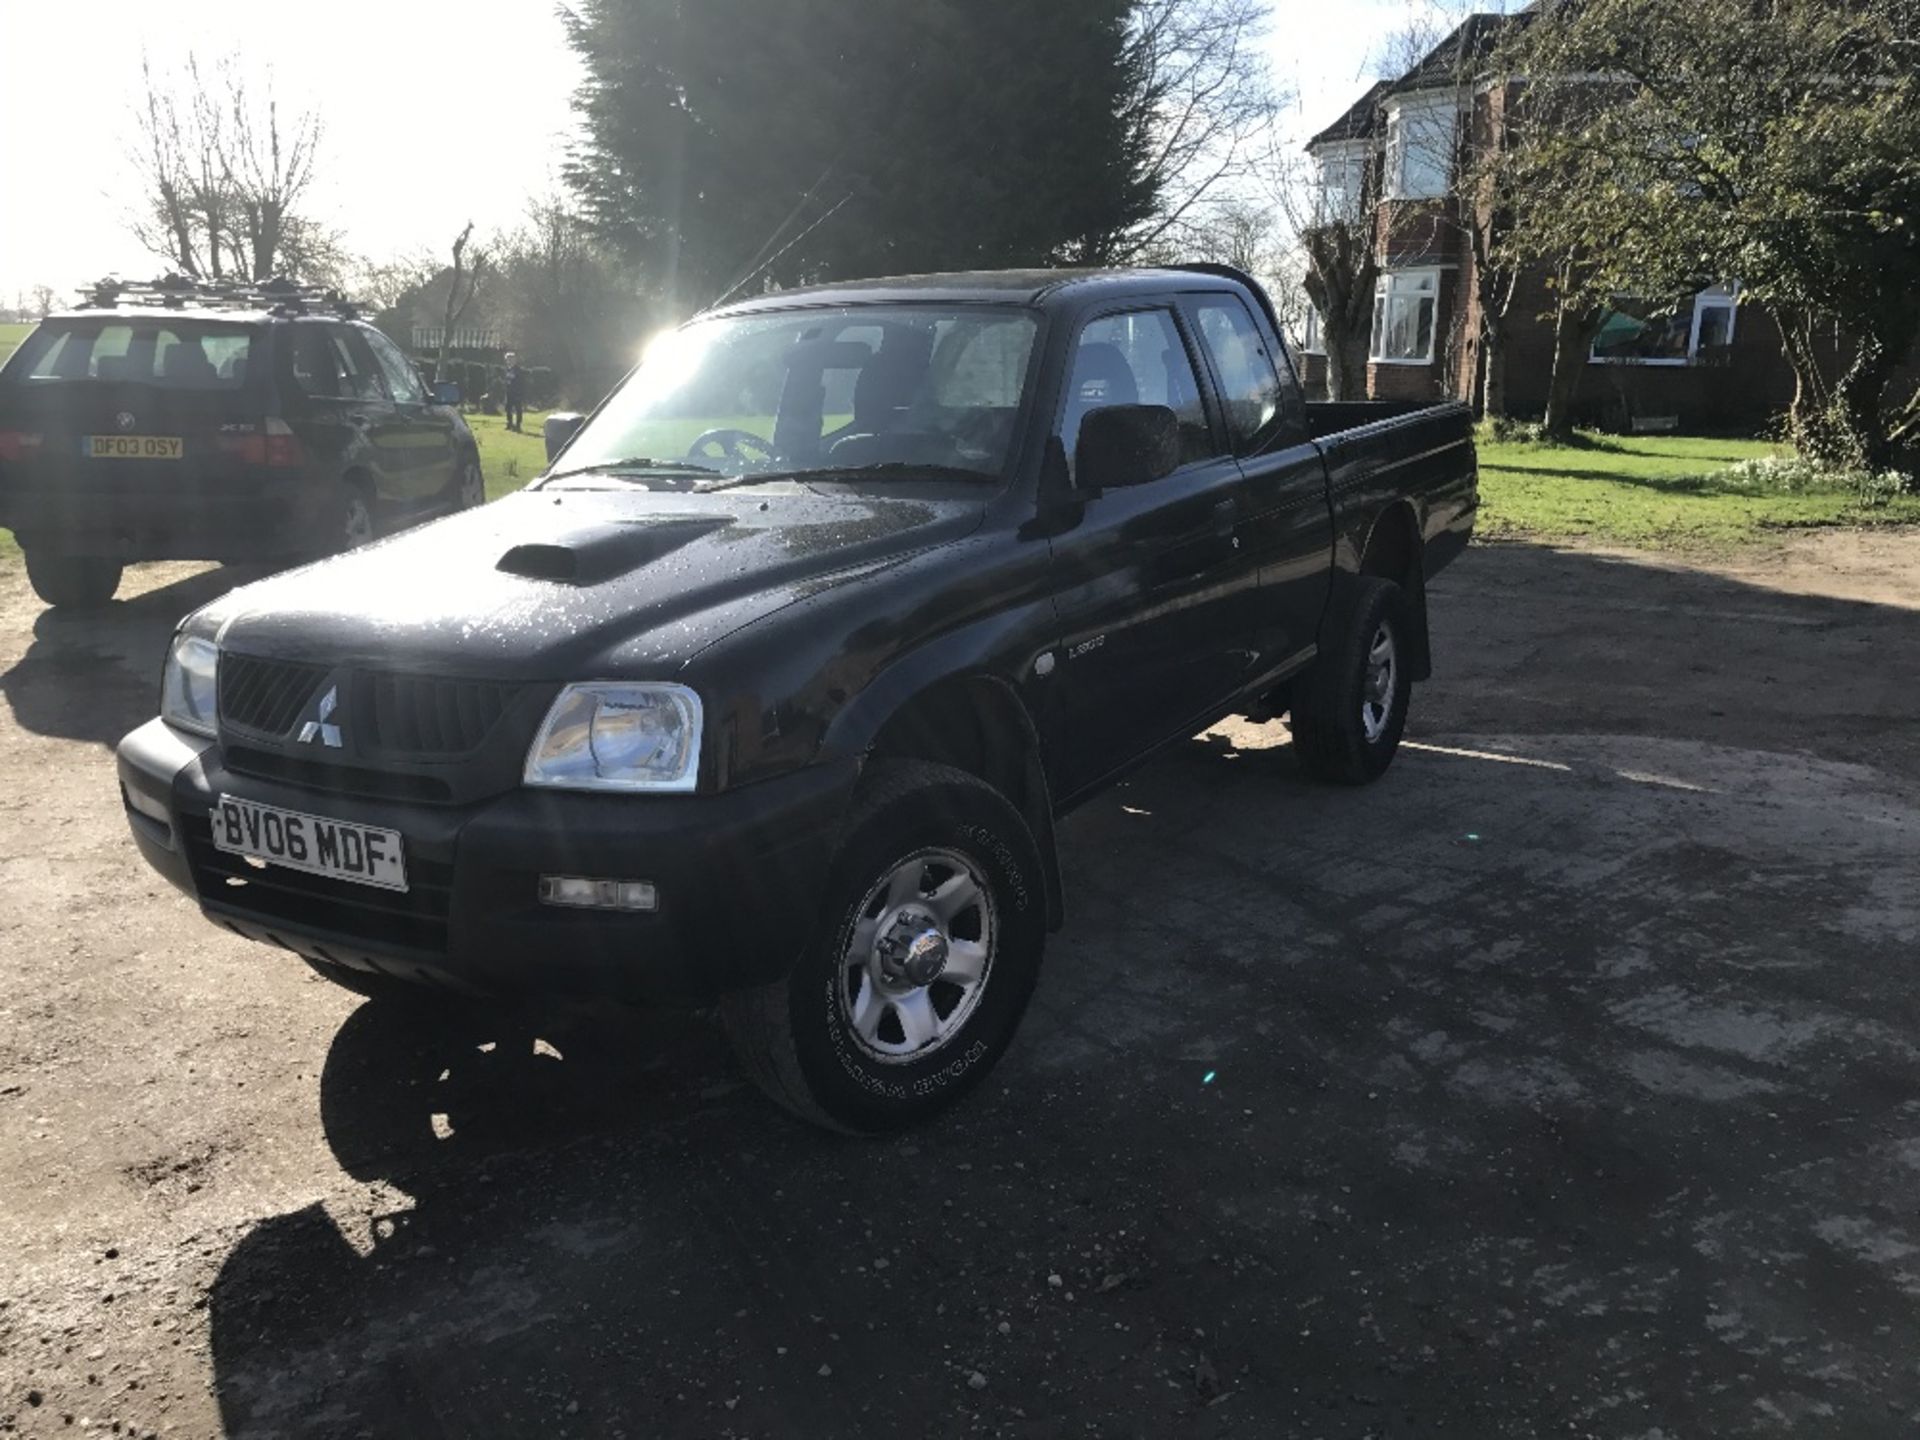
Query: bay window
(1420,141)
(1404,305)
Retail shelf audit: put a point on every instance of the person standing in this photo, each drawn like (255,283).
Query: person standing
(515,392)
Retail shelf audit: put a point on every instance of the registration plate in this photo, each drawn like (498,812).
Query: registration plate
(132,447)
(338,849)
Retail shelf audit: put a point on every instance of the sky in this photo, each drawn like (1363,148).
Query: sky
(434,113)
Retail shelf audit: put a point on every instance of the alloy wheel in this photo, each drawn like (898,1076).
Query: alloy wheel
(918,956)
(1376,701)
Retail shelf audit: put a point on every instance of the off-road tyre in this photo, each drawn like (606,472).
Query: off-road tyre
(796,1037)
(1343,732)
(73,582)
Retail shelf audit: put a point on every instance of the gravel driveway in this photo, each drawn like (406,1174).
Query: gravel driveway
(1565,1082)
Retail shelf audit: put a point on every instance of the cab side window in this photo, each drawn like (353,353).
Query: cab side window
(1249,384)
(402,383)
(316,363)
(1136,359)
(359,371)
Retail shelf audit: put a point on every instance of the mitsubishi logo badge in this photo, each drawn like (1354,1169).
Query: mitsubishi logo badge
(319,730)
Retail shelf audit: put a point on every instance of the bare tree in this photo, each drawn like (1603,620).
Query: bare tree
(268,162)
(167,225)
(1333,210)
(1240,232)
(463,287)
(225,176)
(43,298)
(1201,106)
(384,284)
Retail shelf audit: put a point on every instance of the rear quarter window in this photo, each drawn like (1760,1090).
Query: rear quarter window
(166,354)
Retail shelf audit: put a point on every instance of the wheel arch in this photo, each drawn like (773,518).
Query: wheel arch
(1395,551)
(978,724)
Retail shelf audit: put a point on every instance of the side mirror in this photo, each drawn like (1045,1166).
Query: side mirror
(558,430)
(447,392)
(1123,445)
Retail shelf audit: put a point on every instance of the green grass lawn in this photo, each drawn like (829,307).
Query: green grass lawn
(10,337)
(508,460)
(1650,491)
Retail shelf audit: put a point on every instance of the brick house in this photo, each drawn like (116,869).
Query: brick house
(1703,362)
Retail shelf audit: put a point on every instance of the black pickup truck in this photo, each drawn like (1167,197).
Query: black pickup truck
(773,688)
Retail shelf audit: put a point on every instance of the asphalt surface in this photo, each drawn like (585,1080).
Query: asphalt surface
(1565,1082)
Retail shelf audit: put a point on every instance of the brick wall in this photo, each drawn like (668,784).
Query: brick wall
(1313,374)
(1739,390)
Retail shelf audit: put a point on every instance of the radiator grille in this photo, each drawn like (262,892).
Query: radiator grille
(419,715)
(265,696)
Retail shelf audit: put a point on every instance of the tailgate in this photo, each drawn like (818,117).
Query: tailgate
(112,411)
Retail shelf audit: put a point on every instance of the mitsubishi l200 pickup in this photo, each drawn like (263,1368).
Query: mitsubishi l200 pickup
(771,691)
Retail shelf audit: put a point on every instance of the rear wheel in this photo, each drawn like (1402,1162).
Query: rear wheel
(75,582)
(1350,709)
(470,491)
(922,964)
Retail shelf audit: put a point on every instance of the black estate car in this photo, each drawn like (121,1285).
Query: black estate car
(181,421)
(772,689)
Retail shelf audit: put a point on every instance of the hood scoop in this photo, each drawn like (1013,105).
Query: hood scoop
(598,553)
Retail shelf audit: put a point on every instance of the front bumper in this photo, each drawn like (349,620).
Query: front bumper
(739,878)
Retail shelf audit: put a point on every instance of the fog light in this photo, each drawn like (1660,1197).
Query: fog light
(583,894)
(146,805)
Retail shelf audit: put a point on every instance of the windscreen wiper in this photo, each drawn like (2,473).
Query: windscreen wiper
(889,468)
(637,463)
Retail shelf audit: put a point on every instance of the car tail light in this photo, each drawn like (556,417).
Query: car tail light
(18,444)
(272,443)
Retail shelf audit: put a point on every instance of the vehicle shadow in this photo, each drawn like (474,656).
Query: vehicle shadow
(1559,1083)
(94,675)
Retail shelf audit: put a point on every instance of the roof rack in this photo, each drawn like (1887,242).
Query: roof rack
(182,292)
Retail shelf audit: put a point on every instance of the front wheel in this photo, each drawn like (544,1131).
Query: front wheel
(1350,709)
(922,964)
(354,525)
(73,582)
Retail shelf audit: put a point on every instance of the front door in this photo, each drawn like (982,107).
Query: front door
(1146,577)
(423,432)
(361,403)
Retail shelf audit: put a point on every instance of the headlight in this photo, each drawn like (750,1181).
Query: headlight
(188,689)
(611,736)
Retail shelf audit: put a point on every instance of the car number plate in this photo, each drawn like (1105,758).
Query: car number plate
(339,849)
(132,447)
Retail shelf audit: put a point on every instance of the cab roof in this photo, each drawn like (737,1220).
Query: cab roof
(1032,288)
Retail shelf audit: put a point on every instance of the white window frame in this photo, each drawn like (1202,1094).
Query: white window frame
(1349,158)
(1441,110)
(1714,297)
(1383,297)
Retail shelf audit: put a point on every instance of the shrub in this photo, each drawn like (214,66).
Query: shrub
(1504,430)
(1799,475)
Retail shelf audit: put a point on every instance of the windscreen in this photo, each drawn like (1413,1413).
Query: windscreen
(167,353)
(865,387)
